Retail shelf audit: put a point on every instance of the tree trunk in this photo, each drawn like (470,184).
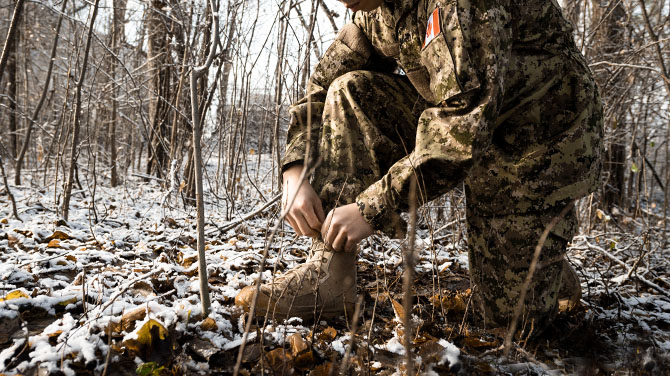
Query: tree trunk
(77,112)
(13,93)
(13,26)
(117,39)
(45,91)
(158,58)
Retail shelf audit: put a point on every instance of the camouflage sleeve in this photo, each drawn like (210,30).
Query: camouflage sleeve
(350,51)
(466,63)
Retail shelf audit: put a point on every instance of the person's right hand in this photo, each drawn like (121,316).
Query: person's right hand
(305,213)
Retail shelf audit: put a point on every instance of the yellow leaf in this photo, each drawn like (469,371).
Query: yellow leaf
(54,243)
(209,325)
(148,336)
(144,334)
(16,294)
(252,151)
(66,302)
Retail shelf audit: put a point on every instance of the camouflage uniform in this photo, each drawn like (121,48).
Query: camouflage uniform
(500,99)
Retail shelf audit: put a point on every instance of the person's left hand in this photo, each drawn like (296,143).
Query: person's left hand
(344,228)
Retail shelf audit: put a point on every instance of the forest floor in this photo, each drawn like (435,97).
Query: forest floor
(115,291)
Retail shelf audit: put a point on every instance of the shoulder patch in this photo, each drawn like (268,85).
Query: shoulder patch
(433,27)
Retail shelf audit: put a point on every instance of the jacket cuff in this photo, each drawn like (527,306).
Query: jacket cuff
(379,213)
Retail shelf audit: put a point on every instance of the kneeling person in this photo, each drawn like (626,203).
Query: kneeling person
(495,95)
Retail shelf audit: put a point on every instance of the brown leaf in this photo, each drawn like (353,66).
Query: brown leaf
(71,258)
(4,221)
(53,337)
(454,302)
(302,353)
(12,240)
(143,288)
(209,325)
(399,310)
(128,320)
(53,243)
(187,261)
(280,361)
(26,233)
(328,334)
(321,370)
(474,342)
(60,235)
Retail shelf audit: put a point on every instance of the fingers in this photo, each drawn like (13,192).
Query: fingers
(309,213)
(318,208)
(301,226)
(340,241)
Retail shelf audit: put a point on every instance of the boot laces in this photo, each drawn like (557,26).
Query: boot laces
(306,274)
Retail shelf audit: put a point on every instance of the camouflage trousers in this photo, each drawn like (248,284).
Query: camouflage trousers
(369,122)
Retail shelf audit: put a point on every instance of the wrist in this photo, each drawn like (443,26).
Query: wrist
(292,173)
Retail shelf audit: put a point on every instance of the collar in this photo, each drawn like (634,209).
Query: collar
(391,11)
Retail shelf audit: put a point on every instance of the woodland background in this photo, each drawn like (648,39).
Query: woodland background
(97,154)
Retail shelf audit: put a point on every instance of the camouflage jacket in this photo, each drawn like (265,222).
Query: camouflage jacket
(487,73)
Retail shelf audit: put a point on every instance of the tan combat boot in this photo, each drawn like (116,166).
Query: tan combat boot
(570,292)
(322,287)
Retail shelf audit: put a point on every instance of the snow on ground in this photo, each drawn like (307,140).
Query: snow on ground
(116,287)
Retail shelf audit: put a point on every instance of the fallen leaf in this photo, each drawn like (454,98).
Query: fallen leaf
(328,334)
(322,370)
(66,302)
(60,235)
(399,310)
(454,302)
(302,353)
(53,243)
(16,294)
(12,240)
(280,361)
(4,221)
(150,337)
(474,342)
(53,337)
(26,233)
(143,288)
(150,369)
(209,325)
(7,328)
(71,258)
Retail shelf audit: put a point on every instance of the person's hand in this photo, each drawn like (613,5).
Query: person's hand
(344,228)
(305,213)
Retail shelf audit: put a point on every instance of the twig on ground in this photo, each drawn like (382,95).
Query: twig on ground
(628,268)
(247,217)
(354,328)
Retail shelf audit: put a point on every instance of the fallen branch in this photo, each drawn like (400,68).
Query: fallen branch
(247,217)
(628,268)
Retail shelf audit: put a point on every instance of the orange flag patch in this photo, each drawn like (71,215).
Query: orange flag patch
(433,28)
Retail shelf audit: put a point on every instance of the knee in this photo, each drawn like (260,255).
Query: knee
(351,83)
